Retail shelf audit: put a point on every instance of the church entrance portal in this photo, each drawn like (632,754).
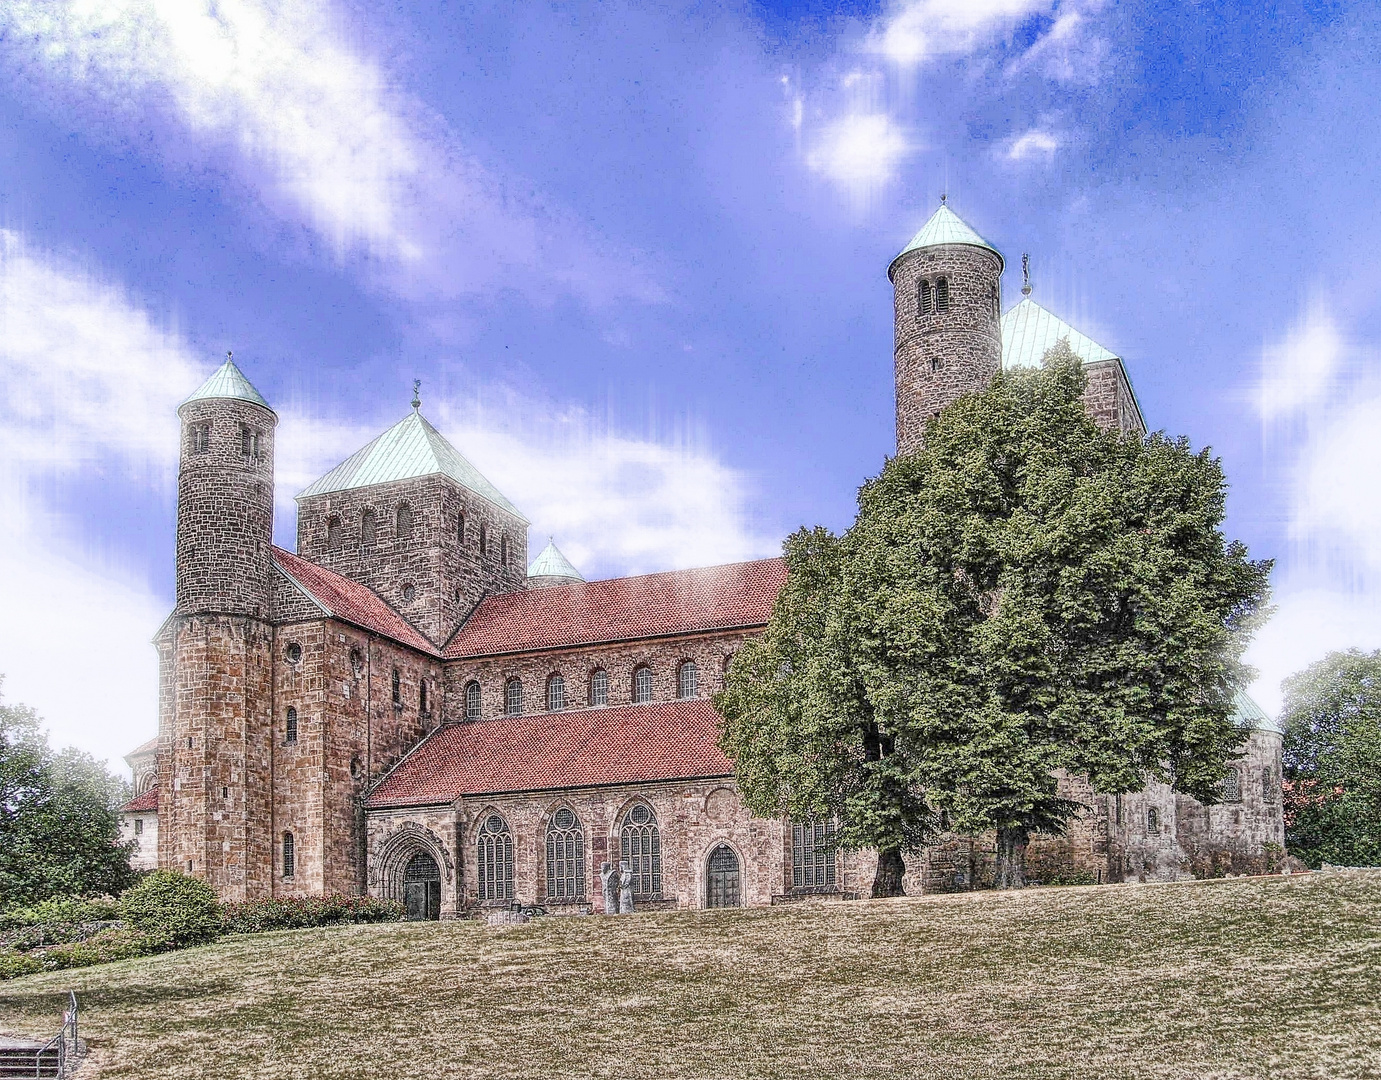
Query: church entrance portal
(422,887)
(723,885)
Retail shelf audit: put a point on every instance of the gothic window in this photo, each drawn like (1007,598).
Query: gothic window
(941,294)
(460,528)
(289,855)
(565,857)
(813,856)
(368,527)
(599,687)
(556,694)
(503,551)
(484,542)
(472,700)
(642,684)
(513,697)
(201,438)
(397,689)
(1230,790)
(1152,820)
(404,519)
(333,533)
(924,303)
(290,730)
(495,860)
(688,680)
(640,845)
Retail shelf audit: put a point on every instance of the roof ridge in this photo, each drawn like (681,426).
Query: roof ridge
(683,570)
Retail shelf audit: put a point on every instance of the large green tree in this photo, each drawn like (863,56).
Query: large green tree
(1332,718)
(1026,594)
(59,817)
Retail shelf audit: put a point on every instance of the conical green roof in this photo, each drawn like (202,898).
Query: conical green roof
(551,563)
(944,227)
(410,448)
(1250,716)
(228,381)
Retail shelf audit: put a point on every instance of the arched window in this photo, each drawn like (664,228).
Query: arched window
(513,697)
(503,550)
(924,302)
(289,855)
(812,856)
(942,294)
(460,528)
(687,680)
(565,857)
(333,537)
(397,689)
(599,687)
(472,701)
(290,728)
(484,542)
(404,529)
(1230,790)
(640,845)
(494,861)
(642,684)
(368,528)
(556,694)
(1152,820)
(934,363)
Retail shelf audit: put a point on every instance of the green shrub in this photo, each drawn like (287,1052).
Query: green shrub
(14,964)
(72,910)
(115,943)
(294,912)
(172,908)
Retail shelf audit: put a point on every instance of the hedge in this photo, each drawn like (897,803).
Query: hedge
(296,912)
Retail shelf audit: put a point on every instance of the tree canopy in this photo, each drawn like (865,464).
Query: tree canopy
(59,818)
(1026,594)
(1332,717)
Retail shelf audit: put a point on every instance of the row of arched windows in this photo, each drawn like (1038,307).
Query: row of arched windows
(403,522)
(557,700)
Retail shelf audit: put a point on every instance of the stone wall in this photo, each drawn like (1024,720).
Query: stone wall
(1108,398)
(142,828)
(447,576)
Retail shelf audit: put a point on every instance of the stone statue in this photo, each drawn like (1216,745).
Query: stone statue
(607,874)
(625,888)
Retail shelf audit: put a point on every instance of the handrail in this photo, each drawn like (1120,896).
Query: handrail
(59,1041)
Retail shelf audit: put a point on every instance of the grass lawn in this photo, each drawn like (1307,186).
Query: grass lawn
(1268,977)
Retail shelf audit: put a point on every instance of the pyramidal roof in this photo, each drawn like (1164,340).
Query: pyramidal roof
(1246,713)
(228,381)
(1029,332)
(551,563)
(410,448)
(945,227)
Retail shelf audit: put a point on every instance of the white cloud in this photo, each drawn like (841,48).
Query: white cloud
(1299,370)
(1033,144)
(860,152)
(915,31)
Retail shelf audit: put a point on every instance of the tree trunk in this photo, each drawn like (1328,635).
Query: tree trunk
(1011,857)
(887,880)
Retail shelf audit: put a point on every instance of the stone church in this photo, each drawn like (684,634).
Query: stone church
(406,706)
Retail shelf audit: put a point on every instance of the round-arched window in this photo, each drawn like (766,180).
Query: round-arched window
(472,701)
(599,687)
(642,685)
(513,697)
(688,680)
(404,522)
(556,694)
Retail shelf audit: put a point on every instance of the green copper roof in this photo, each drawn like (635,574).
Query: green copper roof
(551,563)
(410,448)
(1246,713)
(228,381)
(1029,332)
(944,227)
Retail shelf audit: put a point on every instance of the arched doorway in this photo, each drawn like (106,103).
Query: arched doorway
(422,887)
(722,884)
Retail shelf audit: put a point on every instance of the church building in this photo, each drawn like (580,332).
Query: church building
(409,707)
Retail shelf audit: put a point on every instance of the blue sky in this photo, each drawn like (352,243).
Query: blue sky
(637,256)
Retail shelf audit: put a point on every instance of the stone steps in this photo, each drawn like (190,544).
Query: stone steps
(30,1061)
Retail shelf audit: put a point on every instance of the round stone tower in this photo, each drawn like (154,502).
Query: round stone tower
(225,498)
(948,317)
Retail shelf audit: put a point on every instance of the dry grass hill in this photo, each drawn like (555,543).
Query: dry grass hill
(1267,977)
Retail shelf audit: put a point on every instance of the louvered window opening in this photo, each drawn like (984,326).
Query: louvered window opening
(942,294)
(925,302)
(201,438)
(640,845)
(688,680)
(599,687)
(556,694)
(513,698)
(565,857)
(472,701)
(494,860)
(642,685)
(813,857)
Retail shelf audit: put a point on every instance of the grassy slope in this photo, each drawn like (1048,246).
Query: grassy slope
(1248,978)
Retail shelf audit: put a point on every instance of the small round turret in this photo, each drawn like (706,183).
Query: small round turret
(225,498)
(948,311)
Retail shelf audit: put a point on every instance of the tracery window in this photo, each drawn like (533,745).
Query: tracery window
(942,294)
(368,527)
(404,520)
(333,537)
(565,857)
(556,694)
(1230,789)
(640,845)
(1268,784)
(642,684)
(813,855)
(925,302)
(1152,820)
(289,855)
(513,697)
(599,687)
(688,680)
(494,861)
(472,701)
(290,727)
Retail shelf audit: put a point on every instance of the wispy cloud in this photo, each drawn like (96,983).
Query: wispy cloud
(1298,370)
(1034,144)
(859,152)
(912,32)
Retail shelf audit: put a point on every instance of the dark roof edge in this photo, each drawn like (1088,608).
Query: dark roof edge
(544,790)
(604,641)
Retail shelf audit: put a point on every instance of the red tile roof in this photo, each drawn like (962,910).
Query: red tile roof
(626,744)
(142,803)
(350,601)
(620,609)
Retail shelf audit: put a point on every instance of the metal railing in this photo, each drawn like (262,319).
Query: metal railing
(66,1051)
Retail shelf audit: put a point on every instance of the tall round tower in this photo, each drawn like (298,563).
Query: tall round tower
(225,498)
(948,315)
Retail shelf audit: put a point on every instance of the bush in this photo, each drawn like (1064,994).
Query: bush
(114,943)
(75,911)
(173,909)
(14,964)
(294,912)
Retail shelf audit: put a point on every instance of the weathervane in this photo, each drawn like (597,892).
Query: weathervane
(416,393)
(1025,274)
(943,196)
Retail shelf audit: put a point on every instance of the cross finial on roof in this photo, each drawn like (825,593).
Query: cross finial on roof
(416,393)
(1025,274)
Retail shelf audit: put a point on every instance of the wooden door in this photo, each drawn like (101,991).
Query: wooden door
(723,887)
